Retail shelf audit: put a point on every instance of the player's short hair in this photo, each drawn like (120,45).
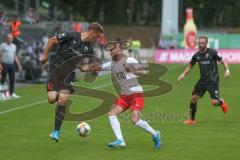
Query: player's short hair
(96,27)
(204,37)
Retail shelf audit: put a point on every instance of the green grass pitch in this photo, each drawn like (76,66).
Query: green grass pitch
(25,125)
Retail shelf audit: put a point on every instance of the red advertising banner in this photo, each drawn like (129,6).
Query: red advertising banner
(184,55)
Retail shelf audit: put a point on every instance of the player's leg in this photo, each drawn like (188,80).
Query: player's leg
(146,127)
(62,100)
(116,127)
(213,90)
(141,123)
(11,73)
(4,73)
(198,91)
(193,106)
(61,108)
(137,103)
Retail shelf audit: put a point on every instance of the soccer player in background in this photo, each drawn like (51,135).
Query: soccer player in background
(125,70)
(69,41)
(207,59)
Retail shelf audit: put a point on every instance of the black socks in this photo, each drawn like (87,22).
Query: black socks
(59,116)
(193,109)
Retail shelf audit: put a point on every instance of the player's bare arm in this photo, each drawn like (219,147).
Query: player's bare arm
(51,42)
(186,72)
(90,67)
(138,72)
(226,67)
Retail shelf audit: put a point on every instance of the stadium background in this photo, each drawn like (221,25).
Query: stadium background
(25,123)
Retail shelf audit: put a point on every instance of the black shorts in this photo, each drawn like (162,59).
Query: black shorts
(57,80)
(201,87)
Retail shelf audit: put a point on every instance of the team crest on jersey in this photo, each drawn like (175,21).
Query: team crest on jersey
(206,55)
(85,49)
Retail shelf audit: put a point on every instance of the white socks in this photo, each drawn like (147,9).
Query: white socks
(140,123)
(116,127)
(146,127)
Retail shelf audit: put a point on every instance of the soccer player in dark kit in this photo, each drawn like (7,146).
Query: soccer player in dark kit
(69,43)
(207,59)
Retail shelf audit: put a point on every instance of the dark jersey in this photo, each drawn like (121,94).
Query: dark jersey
(207,64)
(70,42)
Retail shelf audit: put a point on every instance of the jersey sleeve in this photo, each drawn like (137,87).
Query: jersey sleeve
(64,37)
(107,66)
(216,56)
(193,60)
(133,63)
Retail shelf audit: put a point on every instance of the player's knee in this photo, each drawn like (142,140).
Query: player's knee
(214,102)
(134,119)
(194,99)
(111,113)
(62,100)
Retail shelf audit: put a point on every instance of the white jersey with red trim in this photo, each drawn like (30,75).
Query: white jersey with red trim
(127,81)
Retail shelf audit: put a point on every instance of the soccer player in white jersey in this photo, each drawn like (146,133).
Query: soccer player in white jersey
(125,70)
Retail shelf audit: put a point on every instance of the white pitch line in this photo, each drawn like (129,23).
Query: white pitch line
(23,107)
(44,101)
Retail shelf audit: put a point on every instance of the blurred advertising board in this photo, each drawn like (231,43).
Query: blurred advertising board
(184,55)
(221,40)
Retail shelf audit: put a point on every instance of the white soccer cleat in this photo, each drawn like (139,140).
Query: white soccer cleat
(14,95)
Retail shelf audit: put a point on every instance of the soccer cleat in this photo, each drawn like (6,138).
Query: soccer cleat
(117,144)
(224,106)
(55,135)
(157,140)
(189,121)
(14,95)
(3,96)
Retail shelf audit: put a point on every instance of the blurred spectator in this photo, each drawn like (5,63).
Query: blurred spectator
(77,27)
(29,50)
(134,48)
(15,25)
(167,42)
(7,66)
(162,43)
(102,41)
(30,62)
(171,43)
(31,16)
(58,29)
(3,18)
(4,25)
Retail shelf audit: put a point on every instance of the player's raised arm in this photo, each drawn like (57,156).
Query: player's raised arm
(50,44)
